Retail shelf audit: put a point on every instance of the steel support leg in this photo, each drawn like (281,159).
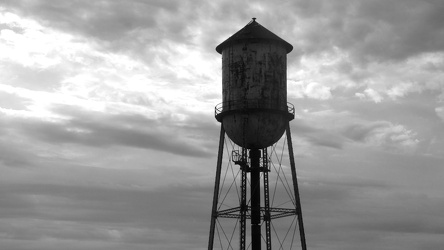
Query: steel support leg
(296,189)
(255,199)
(216,187)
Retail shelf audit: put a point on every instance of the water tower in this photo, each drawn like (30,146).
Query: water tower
(254,115)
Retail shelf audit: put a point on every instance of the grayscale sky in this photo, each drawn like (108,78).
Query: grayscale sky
(108,138)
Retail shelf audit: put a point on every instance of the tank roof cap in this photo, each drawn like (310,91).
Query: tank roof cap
(253,30)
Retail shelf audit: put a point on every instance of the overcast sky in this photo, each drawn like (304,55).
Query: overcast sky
(108,138)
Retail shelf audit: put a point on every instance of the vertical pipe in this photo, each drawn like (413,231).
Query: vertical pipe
(243,202)
(296,189)
(243,205)
(267,218)
(216,187)
(255,199)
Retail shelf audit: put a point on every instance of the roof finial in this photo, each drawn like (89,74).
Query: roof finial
(254,19)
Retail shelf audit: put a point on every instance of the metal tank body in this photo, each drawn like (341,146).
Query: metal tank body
(254,111)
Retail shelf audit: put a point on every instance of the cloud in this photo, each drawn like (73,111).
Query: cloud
(400,90)
(97,214)
(12,155)
(372,94)
(317,91)
(440,112)
(400,222)
(95,19)
(11,101)
(46,49)
(107,129)
(317,136)
(97,129)
(376,30)
(384,134)
(373,47)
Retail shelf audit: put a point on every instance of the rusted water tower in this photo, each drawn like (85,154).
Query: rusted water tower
(254,114)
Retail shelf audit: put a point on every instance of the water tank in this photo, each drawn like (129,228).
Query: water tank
(254,110)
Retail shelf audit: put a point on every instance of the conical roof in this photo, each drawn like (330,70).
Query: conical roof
(253,30)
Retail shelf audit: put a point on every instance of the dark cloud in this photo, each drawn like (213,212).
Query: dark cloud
(402,29)
(106,20)
(369,30)
(15,157)
(367,206)
(400,221)
(102,213)
(415,113)
(360,132)
(395,138)
(97,129)
(13,151)
(325,140)
(317,136)
(340,188)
